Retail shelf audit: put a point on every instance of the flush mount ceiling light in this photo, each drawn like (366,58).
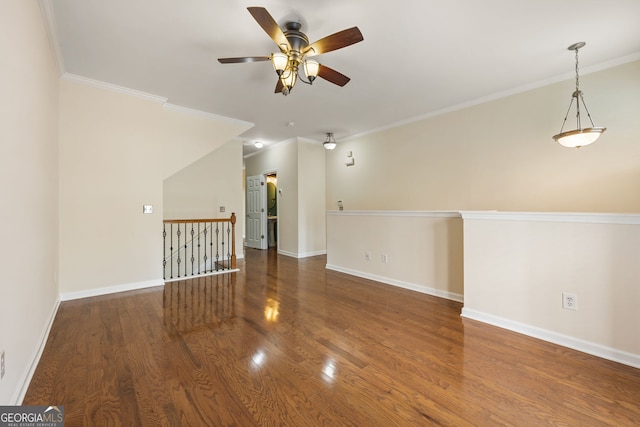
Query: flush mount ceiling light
(580,136)
(258,144)
(330,142)
(295,51)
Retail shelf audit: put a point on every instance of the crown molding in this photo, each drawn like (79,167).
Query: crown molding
(205,115)
(114,88)
(49,18)
(151,97)
(500,95)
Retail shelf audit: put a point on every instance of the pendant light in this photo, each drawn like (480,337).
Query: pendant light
(330,142)
(580,136)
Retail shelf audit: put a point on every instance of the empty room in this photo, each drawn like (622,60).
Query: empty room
(321,213)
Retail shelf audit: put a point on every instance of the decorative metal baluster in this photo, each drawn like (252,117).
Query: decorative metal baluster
(185,249)
(179,252)
(206,230)
(179,233)
(222,251)
(228,246)
(164,250)
(192,257)
(217,246)
(171,250)
(221,248)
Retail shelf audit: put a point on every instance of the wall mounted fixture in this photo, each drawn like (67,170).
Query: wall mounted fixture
(330,142)
(580,136)
(350,161)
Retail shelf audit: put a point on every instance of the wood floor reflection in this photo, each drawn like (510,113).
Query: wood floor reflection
(199,302)
(286,342)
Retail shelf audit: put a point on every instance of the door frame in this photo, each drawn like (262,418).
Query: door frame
(266,207)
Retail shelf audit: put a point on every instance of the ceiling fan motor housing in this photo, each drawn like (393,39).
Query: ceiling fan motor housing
(297,39)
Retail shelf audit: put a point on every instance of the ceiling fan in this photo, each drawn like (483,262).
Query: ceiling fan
(295,52)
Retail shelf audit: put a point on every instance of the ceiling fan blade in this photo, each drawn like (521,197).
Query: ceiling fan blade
(269,25)
(335,41)
(243,59)
(279,86)
(332,76)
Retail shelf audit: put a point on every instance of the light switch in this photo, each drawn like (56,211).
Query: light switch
(147,209)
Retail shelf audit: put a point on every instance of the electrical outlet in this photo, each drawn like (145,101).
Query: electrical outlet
(2,365)
(367,256)
(385,258)
(569,301)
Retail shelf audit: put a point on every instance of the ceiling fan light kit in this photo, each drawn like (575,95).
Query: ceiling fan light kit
(580,136)
(295,51)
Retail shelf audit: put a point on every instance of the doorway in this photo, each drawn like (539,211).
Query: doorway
(262,211)
(272,209)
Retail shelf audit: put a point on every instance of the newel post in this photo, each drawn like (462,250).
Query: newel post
(233,240)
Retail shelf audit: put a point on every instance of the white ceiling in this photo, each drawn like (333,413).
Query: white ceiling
(418,57)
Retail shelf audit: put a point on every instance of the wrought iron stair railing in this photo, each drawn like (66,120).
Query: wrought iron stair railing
(198,247)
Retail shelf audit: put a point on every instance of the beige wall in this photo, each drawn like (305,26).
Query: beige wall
(423,249)
(115,151)
(500,155)
(516,267)
(299,164)
(200,189)
(311,194)
(29,174)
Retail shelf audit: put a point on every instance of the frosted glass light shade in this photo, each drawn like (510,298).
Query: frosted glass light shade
(311,69)
(279,62)
(289,78)
(579,137)
(330,142)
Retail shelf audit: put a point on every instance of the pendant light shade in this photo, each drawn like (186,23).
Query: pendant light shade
(330,142)
(580,136)
(289,79)
(279,61)
(311,69)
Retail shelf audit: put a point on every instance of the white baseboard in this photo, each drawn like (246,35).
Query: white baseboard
(35,359)
(564,340)
(399,283)
(302,255)
(213,273)
(111,289)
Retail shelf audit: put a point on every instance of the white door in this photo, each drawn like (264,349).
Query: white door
(255,212)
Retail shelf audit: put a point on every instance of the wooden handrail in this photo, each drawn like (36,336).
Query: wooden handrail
(232,220)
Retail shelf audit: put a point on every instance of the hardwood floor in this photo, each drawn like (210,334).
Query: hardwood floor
(286,342)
